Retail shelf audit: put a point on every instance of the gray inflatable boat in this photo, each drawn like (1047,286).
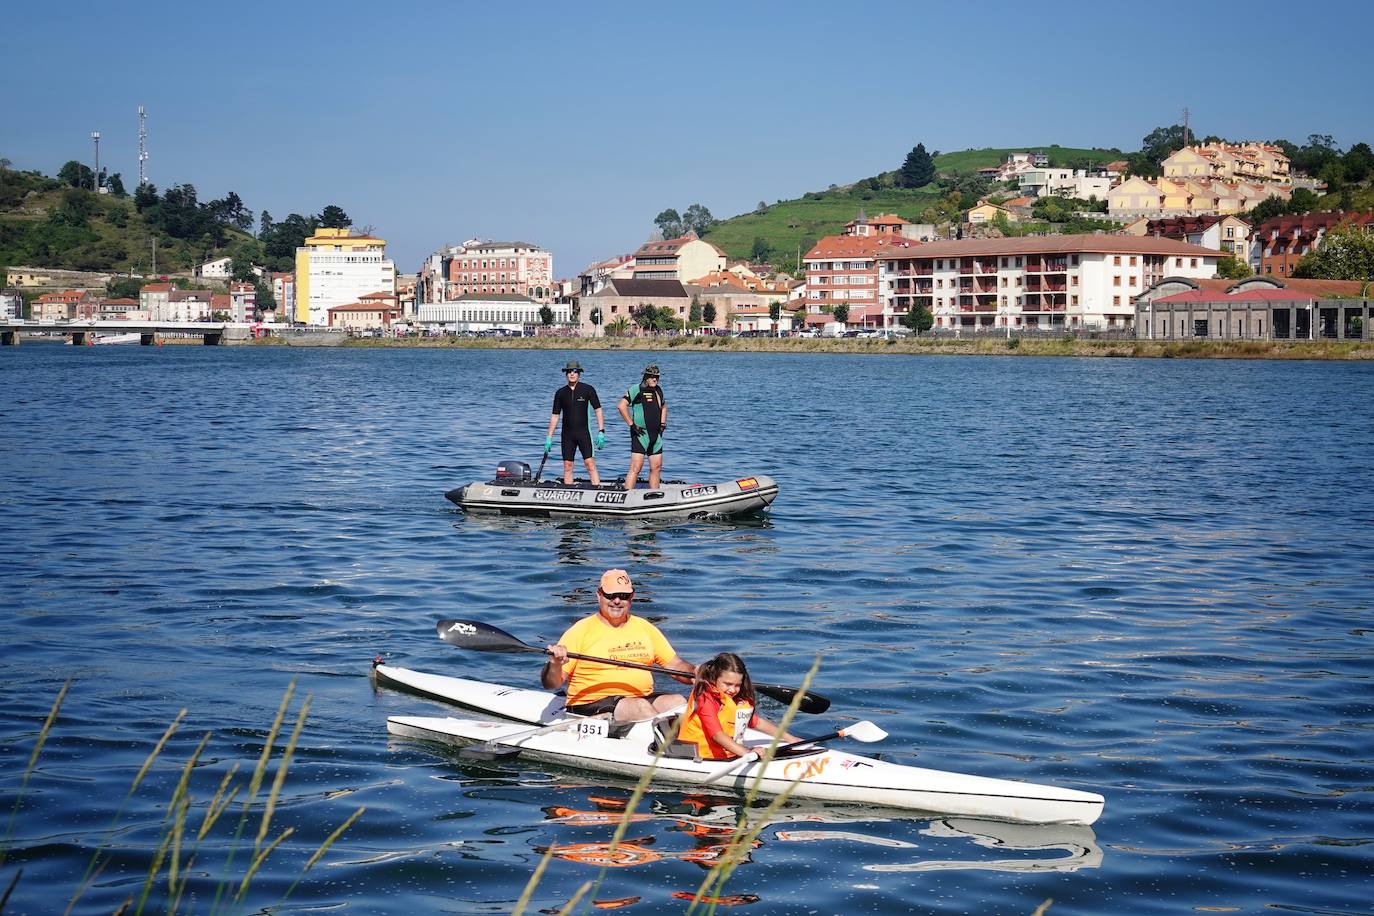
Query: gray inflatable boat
(515,492)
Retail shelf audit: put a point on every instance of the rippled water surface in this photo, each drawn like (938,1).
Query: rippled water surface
(1148,579)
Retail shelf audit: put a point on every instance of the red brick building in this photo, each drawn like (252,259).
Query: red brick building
(1282,241)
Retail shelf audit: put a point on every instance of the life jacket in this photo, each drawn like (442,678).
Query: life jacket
(734,719)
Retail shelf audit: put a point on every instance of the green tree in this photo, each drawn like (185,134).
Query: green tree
(145,196)
(918,319)
(265,300)
(799,317)
(123,288)
(669,223)
(774,312)
(265,225)
(694,311)
(708,313)
(1344,253)
(594,316)
(762,251)
(244,256)
(1232,268)
(76,175)
(75,209)
(1358,162)
(918,170)
(545,316)
(116,185)
(841,312)
(1162,142)
(698,219)
(332,217)
(618,327)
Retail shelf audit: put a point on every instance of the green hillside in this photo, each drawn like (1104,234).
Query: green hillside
(792,223)
(47,223)
(1061,157)
(789,224)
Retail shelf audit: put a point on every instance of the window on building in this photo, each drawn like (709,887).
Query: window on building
(1178,262)
(1073,300)
(1116,261)
(1116,300)
(1193,262)
(1116,280)
(1132,260)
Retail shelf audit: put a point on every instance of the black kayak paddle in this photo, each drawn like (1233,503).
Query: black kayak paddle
(483,637)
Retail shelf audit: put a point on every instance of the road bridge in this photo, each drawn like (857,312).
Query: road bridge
(81,332)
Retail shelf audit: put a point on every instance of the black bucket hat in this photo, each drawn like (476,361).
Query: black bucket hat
(572,366)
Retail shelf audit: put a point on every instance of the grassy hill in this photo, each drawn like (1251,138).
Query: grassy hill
(45,223)
(1061,157)
(790,224)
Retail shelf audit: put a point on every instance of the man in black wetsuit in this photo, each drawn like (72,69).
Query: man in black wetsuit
(572,401)
(644,408)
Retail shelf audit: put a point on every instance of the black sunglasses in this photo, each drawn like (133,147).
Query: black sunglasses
(618,596)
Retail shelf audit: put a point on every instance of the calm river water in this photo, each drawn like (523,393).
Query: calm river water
(1148,579)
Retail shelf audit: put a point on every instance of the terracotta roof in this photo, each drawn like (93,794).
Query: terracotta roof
(156,288)
(671,289)
(1059,244)
(377,296)
(1267,289)
(860,246)
(365,307)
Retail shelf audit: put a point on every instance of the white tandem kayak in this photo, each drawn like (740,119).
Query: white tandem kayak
(817,773)
(515,492)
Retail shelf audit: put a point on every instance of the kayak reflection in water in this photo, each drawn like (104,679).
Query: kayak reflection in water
(613,633)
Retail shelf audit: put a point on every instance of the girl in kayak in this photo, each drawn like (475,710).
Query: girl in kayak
(720,708)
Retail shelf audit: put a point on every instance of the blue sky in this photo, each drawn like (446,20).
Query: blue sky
(571,125)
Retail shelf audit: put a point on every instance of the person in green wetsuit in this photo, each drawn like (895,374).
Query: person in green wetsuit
(645,411)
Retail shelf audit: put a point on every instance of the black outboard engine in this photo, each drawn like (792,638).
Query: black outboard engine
(512,472)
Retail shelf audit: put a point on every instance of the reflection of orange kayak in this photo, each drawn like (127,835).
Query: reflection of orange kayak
(601,855)
(727,900)
(591,818)
(615,904)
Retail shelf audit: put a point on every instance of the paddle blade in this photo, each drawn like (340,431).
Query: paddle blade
(480,637)
(811,703)
(864,731)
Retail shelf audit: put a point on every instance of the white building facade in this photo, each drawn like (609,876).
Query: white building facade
(476,312)
(337,268)
(1069,281)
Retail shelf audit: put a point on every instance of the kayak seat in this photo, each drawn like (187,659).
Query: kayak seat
(666,728)
(619,729)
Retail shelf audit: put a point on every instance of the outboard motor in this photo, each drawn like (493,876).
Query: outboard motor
(512,472)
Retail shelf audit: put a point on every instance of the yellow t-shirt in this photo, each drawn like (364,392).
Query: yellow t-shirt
(636,640)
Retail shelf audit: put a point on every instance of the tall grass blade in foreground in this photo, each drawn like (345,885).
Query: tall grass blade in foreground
(28,770)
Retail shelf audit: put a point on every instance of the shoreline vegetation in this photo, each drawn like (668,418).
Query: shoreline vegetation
(979,346)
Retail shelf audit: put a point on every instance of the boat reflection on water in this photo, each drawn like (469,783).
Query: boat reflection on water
(1078,845)
(711,822)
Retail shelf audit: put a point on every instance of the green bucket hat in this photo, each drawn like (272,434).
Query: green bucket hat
(572,366)
(651,369)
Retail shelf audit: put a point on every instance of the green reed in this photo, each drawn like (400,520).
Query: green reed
(179,841)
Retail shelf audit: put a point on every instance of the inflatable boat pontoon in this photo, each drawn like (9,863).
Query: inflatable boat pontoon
(515,492)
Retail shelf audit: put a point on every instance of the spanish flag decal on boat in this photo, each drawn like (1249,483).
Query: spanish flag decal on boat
(748,483)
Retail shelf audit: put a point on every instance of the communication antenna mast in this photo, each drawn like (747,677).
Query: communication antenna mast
(1186,134)
(142,146)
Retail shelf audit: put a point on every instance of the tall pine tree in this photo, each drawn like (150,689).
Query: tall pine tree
(918,170)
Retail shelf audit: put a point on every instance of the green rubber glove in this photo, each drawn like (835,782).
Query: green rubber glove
(600,441)
(548,444)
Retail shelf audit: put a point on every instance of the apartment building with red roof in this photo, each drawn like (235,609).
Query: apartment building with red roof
(64,306)
(843,270)
(1281,242)
(1084,281)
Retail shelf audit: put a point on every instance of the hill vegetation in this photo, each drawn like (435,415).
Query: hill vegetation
(62,223)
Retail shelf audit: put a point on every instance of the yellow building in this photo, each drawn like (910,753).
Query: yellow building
(986,213)
(335,267)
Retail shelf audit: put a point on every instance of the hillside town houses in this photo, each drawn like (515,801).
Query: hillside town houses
(1175,231)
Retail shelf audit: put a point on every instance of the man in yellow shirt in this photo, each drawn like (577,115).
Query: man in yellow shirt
(613,632)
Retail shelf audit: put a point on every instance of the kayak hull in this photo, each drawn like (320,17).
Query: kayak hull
(827,774)
(674,499)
